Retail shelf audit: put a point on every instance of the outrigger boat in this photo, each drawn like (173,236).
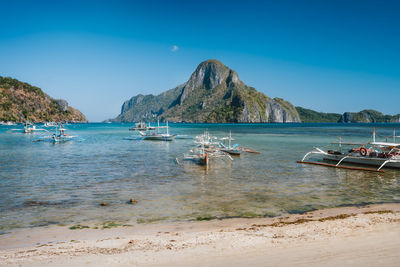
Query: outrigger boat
(58,136)
(198,156)
(31,128)
(153,134)
(233,150)
(207,149)
(377,154)
(61,136)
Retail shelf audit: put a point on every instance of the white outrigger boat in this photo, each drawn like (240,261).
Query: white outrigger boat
(61,136)
(31,128)
(207,149)
(153,134)
(377,154)
(58,136)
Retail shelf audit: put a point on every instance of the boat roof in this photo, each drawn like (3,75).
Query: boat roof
(384,144)
(370,143)
(347,143)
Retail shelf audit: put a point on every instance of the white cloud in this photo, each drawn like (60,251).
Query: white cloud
(174,48)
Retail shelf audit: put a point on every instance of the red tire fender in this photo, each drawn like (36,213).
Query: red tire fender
(363,151)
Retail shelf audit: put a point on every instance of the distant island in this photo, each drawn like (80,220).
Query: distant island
(364,116)
(20,102)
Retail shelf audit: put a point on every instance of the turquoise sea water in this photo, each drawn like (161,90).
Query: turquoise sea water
(43,183)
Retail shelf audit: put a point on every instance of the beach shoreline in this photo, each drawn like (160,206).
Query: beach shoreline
(346,235)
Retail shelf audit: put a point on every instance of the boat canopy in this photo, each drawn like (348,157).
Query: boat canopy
(384,144)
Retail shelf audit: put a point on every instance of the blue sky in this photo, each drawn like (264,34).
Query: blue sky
(331,56)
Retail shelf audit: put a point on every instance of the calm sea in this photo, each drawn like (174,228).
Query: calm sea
(43,183)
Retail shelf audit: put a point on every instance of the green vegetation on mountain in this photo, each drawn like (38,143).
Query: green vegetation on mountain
(214,93)
(21,101)
(308,115)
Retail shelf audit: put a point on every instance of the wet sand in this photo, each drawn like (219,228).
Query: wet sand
(347,236)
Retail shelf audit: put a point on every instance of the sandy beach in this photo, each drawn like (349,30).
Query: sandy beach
(347,236)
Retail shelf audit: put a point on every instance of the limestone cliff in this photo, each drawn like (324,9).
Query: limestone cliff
(213,93)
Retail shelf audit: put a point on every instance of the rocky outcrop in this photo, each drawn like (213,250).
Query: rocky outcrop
(213,93)
(280,110)
(21,101)
(62,104)
(347,117)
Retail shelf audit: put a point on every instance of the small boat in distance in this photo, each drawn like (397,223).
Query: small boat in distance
(29,127)
(373,153)
(49,124)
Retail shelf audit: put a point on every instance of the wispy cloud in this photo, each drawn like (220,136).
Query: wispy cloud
(174,48)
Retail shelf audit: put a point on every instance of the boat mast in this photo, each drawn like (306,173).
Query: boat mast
(230,137)
(167,128)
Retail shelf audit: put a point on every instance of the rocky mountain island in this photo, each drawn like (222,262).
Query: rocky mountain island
(213,93)
(364,116)
(368,116)
(21,101)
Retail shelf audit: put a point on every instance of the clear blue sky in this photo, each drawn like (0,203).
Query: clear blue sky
(331,56)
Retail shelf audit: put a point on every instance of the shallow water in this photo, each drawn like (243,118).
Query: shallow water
(43,183)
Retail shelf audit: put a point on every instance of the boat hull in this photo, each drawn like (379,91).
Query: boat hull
(377,162)
(61,139)
(234,152)
(202,159)
(159,138)
(197,160)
